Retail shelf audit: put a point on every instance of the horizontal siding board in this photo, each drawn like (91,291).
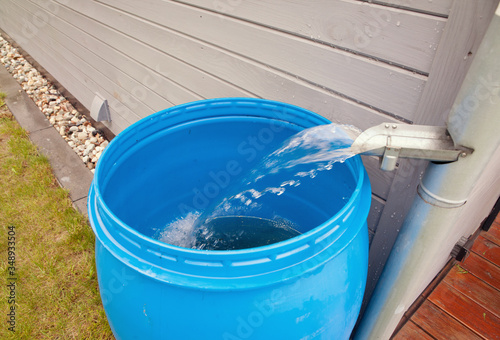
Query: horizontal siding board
(140,83)
(170,92)
(54,63)
(117,97)
(261,81)
(196,80)
(401,37)
(453,59)
(112,80)
(377,84)
(306,95)
(439,7)
(332,109)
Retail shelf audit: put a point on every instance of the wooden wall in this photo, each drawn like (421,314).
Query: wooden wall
(354,62)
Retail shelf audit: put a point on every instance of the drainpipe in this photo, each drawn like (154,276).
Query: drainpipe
(431,228)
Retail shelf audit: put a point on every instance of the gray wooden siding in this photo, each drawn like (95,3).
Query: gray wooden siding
(355,62)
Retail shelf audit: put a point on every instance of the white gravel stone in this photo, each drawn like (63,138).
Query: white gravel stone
(82,135)
(58,110)
(88,149)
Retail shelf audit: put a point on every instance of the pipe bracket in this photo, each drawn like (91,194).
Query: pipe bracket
(391,141)
(436,200)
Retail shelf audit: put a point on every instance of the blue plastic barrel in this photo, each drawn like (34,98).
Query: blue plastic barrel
(307,287)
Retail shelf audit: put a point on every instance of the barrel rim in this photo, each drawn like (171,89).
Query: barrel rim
(207,265)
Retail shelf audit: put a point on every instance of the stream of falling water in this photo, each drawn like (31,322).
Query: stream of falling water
(247,214)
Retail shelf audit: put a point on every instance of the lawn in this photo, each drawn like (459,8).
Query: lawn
(48,277)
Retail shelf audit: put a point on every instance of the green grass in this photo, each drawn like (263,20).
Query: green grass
(2,97)
(461,270)
(56,293)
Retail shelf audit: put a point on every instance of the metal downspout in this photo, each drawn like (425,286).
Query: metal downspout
(431,228)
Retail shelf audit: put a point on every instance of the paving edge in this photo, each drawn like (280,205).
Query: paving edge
(68,169)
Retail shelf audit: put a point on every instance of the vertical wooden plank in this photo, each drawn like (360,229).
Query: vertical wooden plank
(370,235)
(467,24)
(400,36)
(375,212)
(400,197)
(373,83)
(379,179)
(441,325)
(493,215)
